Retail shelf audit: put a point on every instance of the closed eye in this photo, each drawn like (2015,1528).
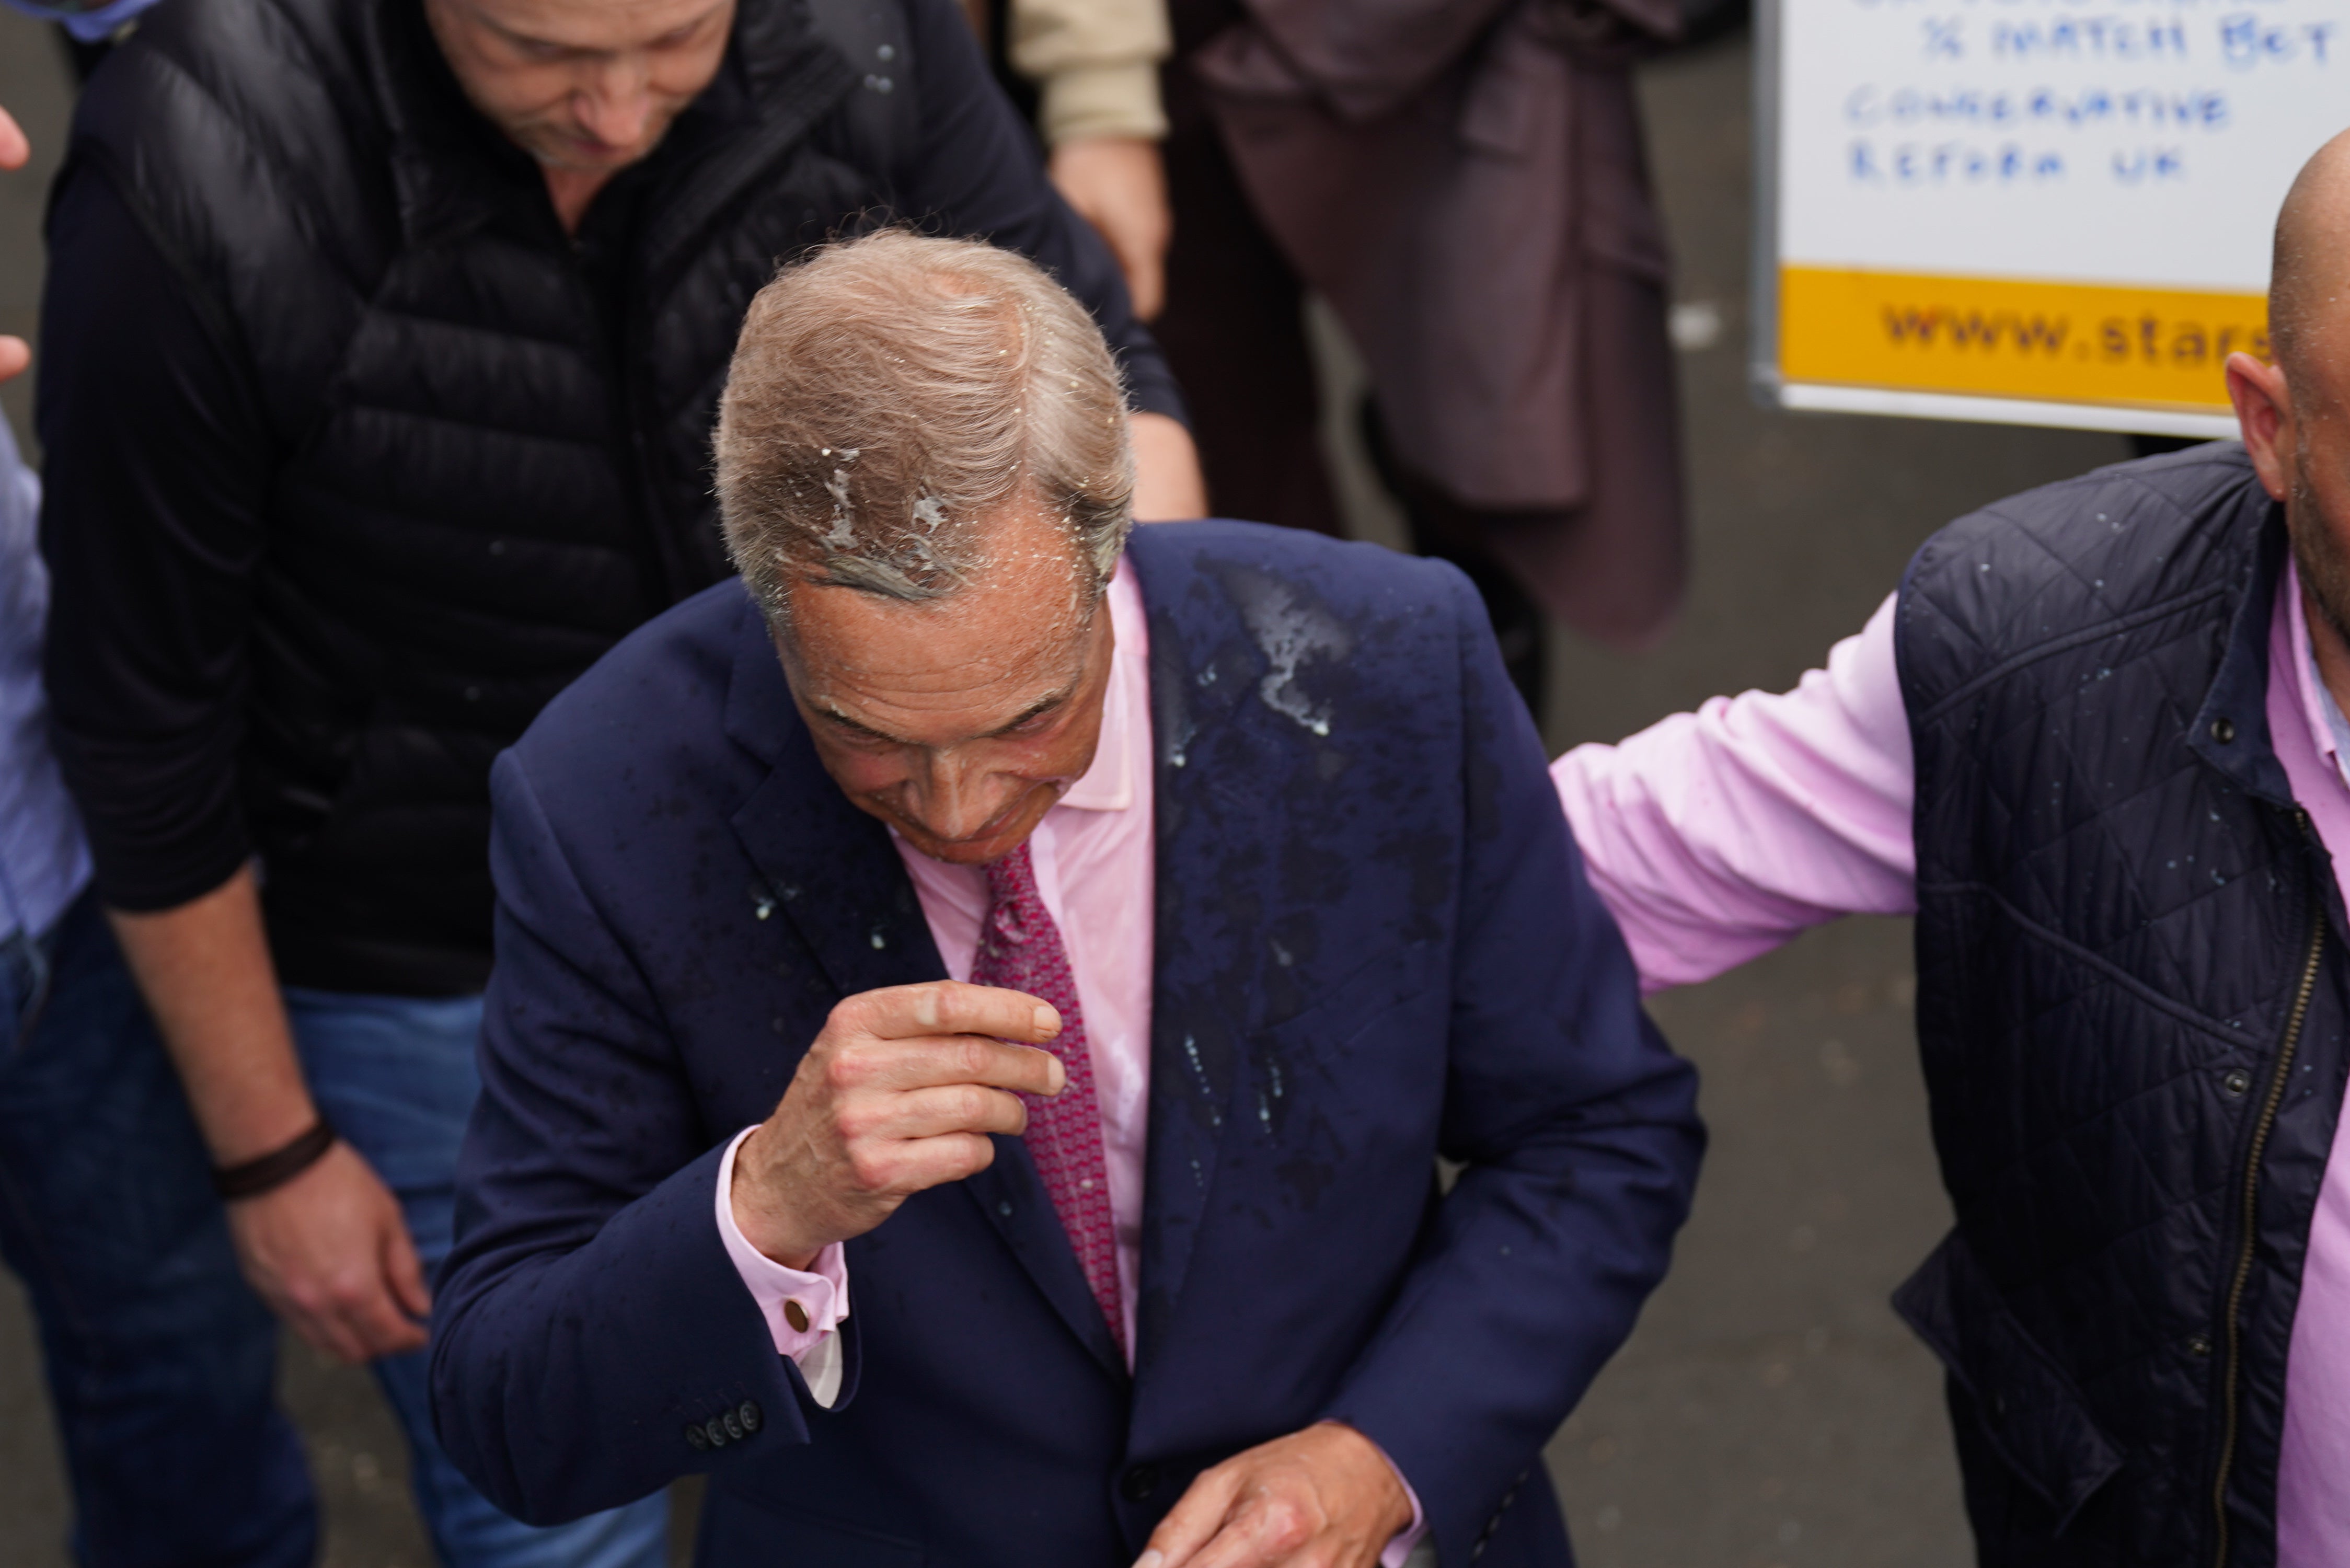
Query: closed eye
(1037,720)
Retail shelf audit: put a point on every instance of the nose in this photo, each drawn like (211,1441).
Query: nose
(615,108)
(956,797)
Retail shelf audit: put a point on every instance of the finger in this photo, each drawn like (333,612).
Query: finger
(917,1165)
(1253,1538)
(376,1321)
(1193,1522)
(936,1111)
(1022,1069)
(13,149)
(951,1007)
(15,355)
(404,1272)
(901,1065)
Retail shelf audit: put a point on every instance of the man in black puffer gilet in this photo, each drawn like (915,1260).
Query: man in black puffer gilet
(361,444)
(449,455)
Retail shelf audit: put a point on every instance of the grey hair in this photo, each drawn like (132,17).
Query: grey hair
(889,394)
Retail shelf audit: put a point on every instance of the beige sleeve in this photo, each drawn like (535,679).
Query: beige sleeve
(1095,63)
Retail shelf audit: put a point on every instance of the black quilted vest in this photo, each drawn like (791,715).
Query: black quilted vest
(494,455)
(2131,1002)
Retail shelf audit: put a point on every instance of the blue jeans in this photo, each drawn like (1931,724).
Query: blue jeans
(161,1363)
(396,1076)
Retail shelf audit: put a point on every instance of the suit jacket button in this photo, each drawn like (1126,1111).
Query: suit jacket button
(1139,1483)
(698,1438)
(734,1426)
(715,1430)
(748,1414)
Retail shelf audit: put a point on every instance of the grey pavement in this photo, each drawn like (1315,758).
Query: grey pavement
(1770,1409)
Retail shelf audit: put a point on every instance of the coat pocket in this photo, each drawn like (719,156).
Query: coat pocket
(2032,1415)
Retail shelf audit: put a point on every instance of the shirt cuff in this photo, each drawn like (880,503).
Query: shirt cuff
(1399,1548)
(1080,101)
(802,1307)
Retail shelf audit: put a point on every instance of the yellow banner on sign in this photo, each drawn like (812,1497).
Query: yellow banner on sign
(2067,342)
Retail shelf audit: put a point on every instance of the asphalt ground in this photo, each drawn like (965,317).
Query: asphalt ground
(1770,1409)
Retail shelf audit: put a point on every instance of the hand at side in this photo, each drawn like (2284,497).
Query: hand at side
(330,1254)
(1322,1498)
(328,1250)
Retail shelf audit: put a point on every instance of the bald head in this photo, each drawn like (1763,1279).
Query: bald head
(2309,280)
(2295,412)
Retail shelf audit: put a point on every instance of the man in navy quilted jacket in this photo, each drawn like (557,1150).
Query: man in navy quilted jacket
(2096,744)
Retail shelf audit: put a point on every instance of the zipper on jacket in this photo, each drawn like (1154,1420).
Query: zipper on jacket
(2250,1217)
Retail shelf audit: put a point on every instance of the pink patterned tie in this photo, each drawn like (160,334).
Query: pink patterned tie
(1020,949)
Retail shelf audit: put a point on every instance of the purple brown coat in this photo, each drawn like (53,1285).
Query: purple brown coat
(1464,181)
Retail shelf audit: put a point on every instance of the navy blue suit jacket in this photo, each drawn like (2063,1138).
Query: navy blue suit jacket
(1374,946)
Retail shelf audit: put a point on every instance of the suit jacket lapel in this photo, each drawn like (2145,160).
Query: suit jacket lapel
(1012,1198)
(831,870)
(1198,1029)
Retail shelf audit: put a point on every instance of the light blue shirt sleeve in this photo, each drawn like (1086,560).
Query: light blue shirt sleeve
(88,23)
(43,861)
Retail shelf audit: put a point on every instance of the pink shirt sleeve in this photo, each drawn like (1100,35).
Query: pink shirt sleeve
(1716,835)
(821,1293)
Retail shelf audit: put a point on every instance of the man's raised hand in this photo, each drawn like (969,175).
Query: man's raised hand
(898,1094)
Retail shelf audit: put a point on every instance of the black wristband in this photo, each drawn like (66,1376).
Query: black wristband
(274,1170)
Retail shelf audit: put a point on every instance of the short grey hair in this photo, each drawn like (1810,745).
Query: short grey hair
(888,394)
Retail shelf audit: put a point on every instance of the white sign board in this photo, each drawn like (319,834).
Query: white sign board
(2050,211)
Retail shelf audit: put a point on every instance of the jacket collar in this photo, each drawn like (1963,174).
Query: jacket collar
(2230,730)
(831,870)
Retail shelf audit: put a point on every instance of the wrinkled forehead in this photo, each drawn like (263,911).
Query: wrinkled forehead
(1016,634)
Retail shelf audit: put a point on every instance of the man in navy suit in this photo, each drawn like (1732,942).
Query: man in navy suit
(1077,949)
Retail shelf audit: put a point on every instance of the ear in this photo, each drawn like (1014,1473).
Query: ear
(2264,415)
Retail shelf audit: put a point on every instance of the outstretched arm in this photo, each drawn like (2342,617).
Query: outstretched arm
(1715,836)
(154,527)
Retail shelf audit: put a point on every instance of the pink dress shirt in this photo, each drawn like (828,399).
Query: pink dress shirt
(1717,836)
(1096,858)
